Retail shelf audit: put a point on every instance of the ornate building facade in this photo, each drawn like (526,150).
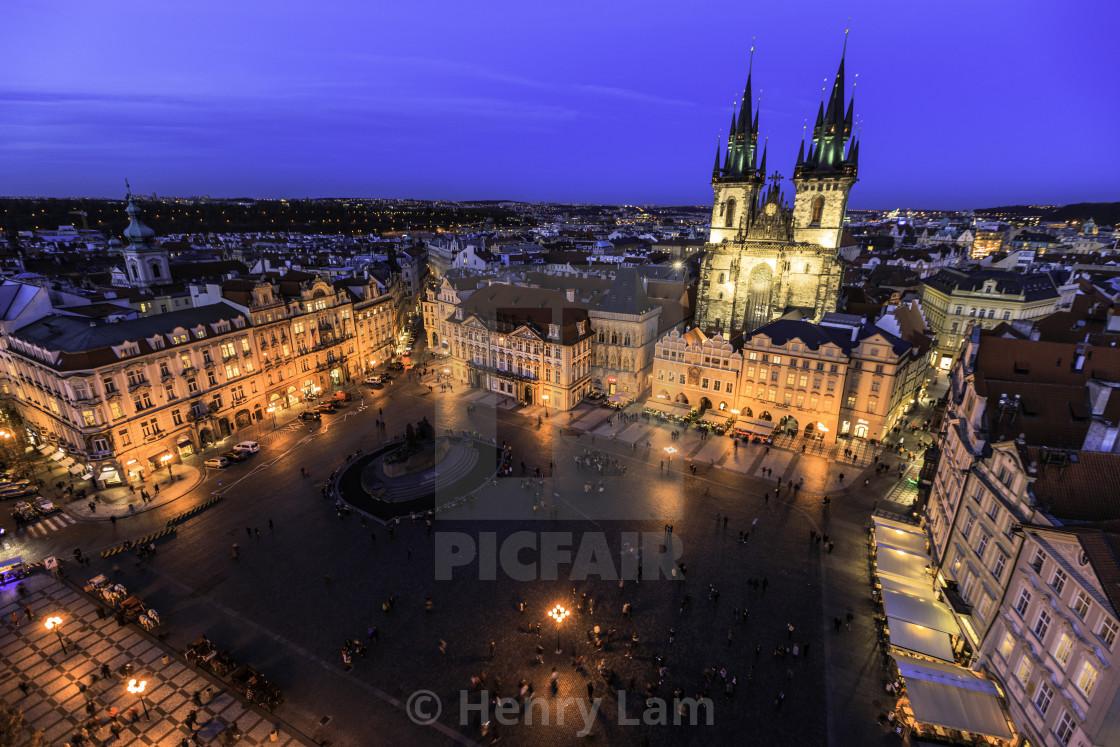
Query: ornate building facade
(764,259)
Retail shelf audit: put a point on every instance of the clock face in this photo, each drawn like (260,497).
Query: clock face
(771,208)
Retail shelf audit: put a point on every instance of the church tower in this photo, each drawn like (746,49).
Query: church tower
(145,262)
(736,184)
(824,176)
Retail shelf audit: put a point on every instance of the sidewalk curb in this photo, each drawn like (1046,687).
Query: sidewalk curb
(149,506)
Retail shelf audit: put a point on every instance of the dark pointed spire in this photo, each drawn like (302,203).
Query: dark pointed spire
(715,169)
(801,153)
(762,168)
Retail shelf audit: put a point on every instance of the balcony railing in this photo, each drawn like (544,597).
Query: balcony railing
(134,385)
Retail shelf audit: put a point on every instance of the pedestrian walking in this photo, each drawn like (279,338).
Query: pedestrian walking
(590,690)
(443,648)
(730,635)
(492,647)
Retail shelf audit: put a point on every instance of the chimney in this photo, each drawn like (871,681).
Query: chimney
(570,294)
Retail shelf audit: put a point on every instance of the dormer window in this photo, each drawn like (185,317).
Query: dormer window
(554,331)
(580,327)
(459,314)
(200,332)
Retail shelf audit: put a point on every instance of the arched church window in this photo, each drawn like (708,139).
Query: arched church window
(134,270)
(721,275)
(614,338)
(729,216)
(806,269)
(155,269)
(627,342)
(601,336)
(818,209)
(720,296)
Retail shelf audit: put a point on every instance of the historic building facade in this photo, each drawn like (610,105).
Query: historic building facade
(765,259)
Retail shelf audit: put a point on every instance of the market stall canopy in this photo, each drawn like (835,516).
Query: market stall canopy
(926,612)
(46,449)
(952,697)
(920,639)
(66,462)
(754,425)
(884,522)
(899,540)
(901,564)
(58,456)
(715,417)
(76,469)
(619,398)
(675,409)
(908,586)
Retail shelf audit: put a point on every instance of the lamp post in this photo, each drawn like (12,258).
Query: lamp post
(670,450)
(558,614)
(55,624)
(166,459)
(545,398)
(138,688)
(272,411)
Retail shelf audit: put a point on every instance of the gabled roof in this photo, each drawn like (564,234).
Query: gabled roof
(1033,286)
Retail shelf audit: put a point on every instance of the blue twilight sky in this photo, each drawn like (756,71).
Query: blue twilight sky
(962,104)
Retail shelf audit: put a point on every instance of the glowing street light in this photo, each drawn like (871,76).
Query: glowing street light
(558,614)
(138,688)
(55,624)
(670,450)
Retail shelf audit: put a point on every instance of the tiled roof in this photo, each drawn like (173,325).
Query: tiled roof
(511,306)
(1076,486)
(626,295)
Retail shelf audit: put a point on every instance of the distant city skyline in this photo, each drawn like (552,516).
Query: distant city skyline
(959,105)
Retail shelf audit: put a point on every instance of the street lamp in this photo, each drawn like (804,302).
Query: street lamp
(558,614)
(138,688)
(166,459)
(670,450)
(55,624)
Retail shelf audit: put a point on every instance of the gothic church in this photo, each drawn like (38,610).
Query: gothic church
(765,260)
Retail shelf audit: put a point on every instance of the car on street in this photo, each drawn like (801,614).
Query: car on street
(24,513)
(234,456)
(217,462)
(386,378)
(396,366)
(378,385)
(310,415)
(325,407)
(14,491)
(372,380)
(45,506)
(247,447)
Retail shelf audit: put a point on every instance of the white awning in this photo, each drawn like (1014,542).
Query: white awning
(754,425)
(901,564)
(619,398)
(925,612)
(675,409)
(46,448)
(900,540)
(66,462)
(908,586)
(882,522)
(58,456)
(920,639)
(715,417)
(76,469)
(953,697)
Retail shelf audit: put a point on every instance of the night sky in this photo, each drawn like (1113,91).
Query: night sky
(962,104)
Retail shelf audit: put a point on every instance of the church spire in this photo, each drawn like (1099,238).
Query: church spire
(715,169)
(742,141)
(833,128)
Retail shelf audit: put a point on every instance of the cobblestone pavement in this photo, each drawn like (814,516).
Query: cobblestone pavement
(65,691)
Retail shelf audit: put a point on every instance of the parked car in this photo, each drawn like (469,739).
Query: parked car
(310,415)
(325,407)
(217,462)
(395,366)
(234,456)
(45,506)
(14,491)
(372,380)
(386,378)
(247,447)
(24,513)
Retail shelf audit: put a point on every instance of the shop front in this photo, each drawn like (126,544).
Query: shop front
(184,446)
(108,475)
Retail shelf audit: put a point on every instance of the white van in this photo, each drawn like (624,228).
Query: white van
(247,447)
(372,380)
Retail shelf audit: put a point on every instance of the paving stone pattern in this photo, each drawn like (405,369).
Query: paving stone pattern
(55,702)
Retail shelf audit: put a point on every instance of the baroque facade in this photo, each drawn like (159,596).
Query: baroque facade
(764,259)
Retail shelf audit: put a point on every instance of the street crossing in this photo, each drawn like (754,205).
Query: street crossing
(44,526)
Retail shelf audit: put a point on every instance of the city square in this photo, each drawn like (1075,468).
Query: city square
(412,374)
(292,617)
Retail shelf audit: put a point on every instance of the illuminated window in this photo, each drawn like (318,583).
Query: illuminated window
(1087,679)
(1062,650)
(1007,647)
(1108,631)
